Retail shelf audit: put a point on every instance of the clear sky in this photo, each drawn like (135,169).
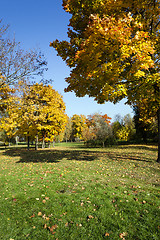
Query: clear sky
(36,23)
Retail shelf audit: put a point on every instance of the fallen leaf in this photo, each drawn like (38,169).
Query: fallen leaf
(90,216)
(107,235)
(39,214)
(53,227)
(45,226)
(136,199)
(122,235)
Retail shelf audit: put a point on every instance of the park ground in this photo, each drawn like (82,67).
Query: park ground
(73,192)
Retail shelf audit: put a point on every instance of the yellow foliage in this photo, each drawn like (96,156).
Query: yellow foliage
(113,50)
(40,110)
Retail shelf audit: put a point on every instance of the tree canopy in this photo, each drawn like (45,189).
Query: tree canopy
(40,111)
(113,51)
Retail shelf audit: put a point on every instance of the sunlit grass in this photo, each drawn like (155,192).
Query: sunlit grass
(71,192)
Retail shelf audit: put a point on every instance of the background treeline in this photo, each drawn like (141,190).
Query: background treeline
(97,129)
(94,130)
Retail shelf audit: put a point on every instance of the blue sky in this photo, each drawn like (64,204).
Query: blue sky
(37,23)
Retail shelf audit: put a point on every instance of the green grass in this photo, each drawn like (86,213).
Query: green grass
(71,192)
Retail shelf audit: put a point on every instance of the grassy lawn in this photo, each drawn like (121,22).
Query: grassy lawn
(71,192)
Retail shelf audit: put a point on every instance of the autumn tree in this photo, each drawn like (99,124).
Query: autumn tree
(39,112)
(116,127)
(68,130)
(9,115)
(46,111)
(98,129)
(123,128)
(6,93)
(78,124)
(113,51)
(16,64)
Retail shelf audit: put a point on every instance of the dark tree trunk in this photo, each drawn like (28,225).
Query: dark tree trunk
(144,136)
(158,116)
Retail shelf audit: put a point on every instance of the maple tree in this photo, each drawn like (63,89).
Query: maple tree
(6,93)
(114,51)
(46,111)
(78,124)
(9,112)
(39,112)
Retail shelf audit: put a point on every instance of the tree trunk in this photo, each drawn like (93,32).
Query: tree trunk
(16,139)
(158,116)
(43,143)
(36,143)
(28,143)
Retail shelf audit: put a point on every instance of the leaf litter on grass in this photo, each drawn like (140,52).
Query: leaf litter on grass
(118,189)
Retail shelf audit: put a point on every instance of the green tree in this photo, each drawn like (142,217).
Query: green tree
(123,128)
(114,51)
(116,127)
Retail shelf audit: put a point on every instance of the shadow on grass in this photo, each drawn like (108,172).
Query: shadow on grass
(140,147)
(79,152)
(128,157)
(50,155)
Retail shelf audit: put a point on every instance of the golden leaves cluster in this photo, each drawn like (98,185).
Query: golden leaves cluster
(113,49)
(39,109)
